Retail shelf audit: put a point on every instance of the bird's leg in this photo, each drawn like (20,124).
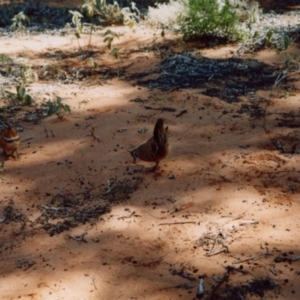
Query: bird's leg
(134,158)
(15,156)
(154,167)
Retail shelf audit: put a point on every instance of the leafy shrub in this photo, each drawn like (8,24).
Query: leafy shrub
(18,98)
(19,21)
(109,37)
(229,19)
(209,18)
(5,64)
(109,14)
(28,75)
(76,20)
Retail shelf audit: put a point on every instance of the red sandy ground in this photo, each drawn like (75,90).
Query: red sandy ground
(218,185)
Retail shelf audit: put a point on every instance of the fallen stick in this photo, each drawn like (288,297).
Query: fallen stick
(51,207)
(183,274)
(94,284)
(181,113)
(178,223)
(127,217)
(248,222)
(170,109)
(230,268)
(225,278)
(253,258)
(224,249)
(282,258)
(26,140)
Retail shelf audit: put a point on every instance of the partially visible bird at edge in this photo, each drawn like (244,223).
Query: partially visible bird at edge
(9,140)
(154,149)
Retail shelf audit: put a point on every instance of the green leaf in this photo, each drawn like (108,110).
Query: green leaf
(115,52)
(130,24)
(88,9)
(76,14)
(53,110)
(67,108)
(108,40)
(269,34)
(286,42)
(49,103)
(27,19)
(20,92)
(27,100)
(59,100)
(255,35)
(107,32)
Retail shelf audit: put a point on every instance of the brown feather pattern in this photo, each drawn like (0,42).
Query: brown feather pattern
(9,140)
(154,149)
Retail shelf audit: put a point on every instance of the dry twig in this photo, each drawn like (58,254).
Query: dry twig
(253,258)
(177,223)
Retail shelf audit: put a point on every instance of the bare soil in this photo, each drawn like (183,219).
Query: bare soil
(79,220)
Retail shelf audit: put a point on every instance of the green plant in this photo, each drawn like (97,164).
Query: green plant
(291,66)
(131,15)
(108,39)
(76,20)
(19,21)
(278,44)
(6,61)
(53,70)
(58,108)
(20,97)
(91,5)
(111,13)
(90,62)
(209,18)
(107,14)
(89,8)
(114,14)
(28,75)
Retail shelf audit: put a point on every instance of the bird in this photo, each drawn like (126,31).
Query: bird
(9,140)
(154,149)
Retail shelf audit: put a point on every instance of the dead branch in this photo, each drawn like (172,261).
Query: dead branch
(178,223)
(224,279)
(79,238)
(211,253)
(181,113)
(183,274)
(253,258)
(170,109)
(127,217)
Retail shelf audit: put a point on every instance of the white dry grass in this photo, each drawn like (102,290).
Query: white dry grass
(166,14)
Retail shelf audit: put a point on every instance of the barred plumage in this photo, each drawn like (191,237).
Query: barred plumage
(156,148)
(9,140)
